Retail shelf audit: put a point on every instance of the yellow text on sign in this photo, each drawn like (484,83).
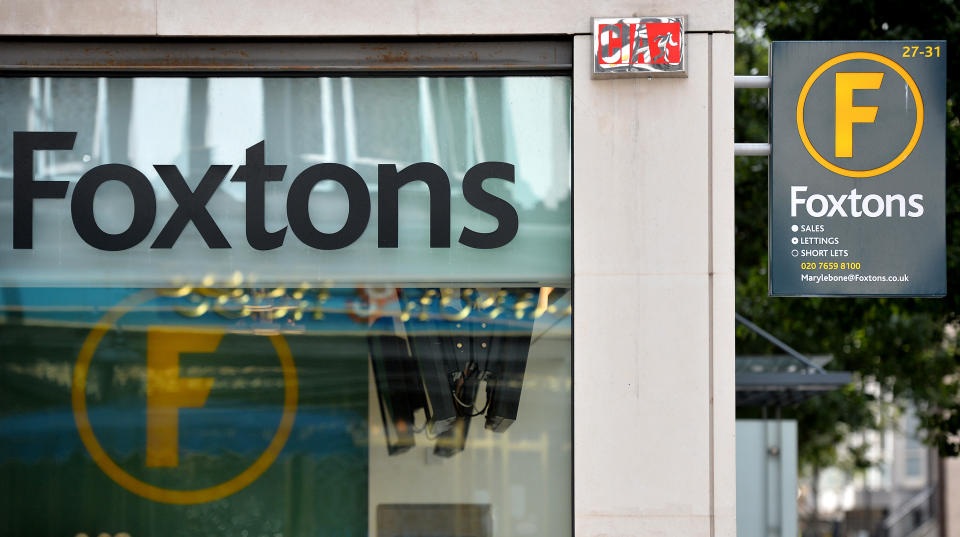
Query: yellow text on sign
(168,392)
(846,113)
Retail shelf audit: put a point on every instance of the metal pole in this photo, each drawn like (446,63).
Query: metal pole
(770,337)
(741,149)
(751,81)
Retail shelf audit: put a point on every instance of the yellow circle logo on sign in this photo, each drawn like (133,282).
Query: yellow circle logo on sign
(801,102)
(152,492)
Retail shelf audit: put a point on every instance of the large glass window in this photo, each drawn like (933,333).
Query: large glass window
(285,306)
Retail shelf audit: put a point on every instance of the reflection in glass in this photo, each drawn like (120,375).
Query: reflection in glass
(404,395)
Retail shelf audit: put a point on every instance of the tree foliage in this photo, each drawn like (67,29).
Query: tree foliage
(907,347)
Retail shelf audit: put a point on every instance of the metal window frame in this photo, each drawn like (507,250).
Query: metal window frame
(193,57)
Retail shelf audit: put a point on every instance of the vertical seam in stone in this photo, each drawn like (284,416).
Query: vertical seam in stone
(710,275)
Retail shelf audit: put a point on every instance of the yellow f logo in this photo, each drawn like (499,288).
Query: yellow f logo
(847,114)
(168,392)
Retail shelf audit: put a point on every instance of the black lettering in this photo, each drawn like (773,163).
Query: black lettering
(388,208)
(191,206)
(256,174)
(508,223)
(25,189)
(358,206)
(144,207)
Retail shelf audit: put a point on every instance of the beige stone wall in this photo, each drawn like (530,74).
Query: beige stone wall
(339,17)
(653,281)
(951,499)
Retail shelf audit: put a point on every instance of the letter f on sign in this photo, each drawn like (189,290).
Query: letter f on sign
(167,392)
(847,114)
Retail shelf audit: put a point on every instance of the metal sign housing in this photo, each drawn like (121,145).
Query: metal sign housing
(641,46)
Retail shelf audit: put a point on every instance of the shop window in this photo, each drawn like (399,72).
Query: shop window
(188,350)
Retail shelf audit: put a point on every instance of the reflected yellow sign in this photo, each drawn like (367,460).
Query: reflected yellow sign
(166,393)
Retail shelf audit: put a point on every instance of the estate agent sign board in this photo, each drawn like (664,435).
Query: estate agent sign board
(857,182)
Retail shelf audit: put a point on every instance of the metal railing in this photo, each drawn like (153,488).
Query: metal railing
(912,515)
